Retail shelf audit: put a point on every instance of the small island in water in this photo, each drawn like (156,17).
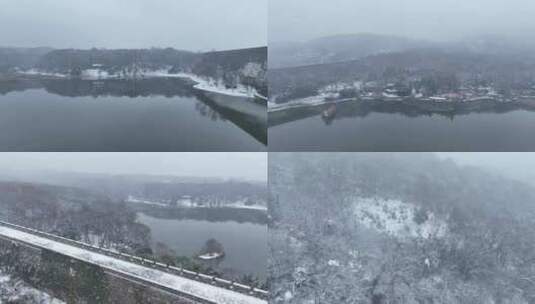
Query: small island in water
(212,250)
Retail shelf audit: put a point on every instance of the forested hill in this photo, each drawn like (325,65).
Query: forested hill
(407,228)
(245,66)
(63,61)
(150,187)
(250,65)
(231,60)
(73,213)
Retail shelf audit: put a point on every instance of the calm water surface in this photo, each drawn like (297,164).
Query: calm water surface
(510,131)
(66,117)
(245,244)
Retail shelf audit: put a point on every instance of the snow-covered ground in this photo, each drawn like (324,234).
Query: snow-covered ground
(241,205)
(184,285)
(134,200)
(325,95)
(16,291)
(35,72)
(397,218)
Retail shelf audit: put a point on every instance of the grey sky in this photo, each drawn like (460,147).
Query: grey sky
(249,166)
(298,20)
(519,166)
(183,24)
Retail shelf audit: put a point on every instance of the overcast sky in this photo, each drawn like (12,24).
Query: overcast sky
(519,166)
(298,20)
(183,24)
(249,166)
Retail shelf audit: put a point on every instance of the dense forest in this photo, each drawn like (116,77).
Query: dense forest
(397,228)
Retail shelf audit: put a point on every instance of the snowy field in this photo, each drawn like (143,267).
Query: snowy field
(180,284)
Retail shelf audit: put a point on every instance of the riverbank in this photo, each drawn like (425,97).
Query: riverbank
(200,83)
(426,103)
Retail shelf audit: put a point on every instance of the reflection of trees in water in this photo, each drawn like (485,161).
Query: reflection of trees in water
(207,111)
(15,85)
(168,87)
(358,109)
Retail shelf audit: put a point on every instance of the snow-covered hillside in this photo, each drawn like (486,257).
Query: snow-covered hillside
(398,218)
(401,228)
(16,291)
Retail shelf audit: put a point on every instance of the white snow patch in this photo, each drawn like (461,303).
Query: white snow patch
(94,74)
(302,102)
(288,295)
(252,69)
(396,218)
(210,256)
(208,84)
(240,205)
(37,72)
(16,291)
(333,263)
(203,84)
(134,200)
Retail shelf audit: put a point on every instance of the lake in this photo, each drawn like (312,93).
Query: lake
(120,115)
(305,129)
(245,244)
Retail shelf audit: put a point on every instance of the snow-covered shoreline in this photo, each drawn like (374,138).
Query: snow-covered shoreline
(201,83)
(311,101)
(192,205)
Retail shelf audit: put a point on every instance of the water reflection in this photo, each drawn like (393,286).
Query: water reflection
(385,126)
(20,99)
(330,112)
(245,243)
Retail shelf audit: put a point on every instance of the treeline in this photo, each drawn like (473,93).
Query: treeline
(156,188)
(246,66)
(71,61)
(223,191)
(23,58)
(232,68)
(73,213)
(429,70)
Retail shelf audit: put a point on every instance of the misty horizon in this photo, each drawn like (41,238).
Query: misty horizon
(443,21)
(130,49)
(197,26)
(494,35)
(226,166)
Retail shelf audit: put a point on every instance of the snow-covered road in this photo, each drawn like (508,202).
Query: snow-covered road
(169,281)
